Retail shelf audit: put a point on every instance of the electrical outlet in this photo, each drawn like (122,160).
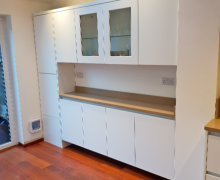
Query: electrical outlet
(168,81)
(80,75)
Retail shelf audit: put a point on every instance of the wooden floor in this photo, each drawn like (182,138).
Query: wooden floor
(43,161)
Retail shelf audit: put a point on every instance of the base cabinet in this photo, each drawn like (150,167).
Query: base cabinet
(52,130)
(94,126)
(120,135)
(72,126)
(140,140)
(154,144)
(213,158)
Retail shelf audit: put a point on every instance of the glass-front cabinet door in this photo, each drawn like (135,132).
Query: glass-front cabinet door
(121,32)
(89,35)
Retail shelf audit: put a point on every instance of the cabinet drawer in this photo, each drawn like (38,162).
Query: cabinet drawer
(213,157)
(210,177)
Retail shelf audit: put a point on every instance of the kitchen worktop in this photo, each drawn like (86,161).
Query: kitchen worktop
(213,126)
(154,105)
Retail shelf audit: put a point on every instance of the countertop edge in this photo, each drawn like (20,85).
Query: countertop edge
(143,109)
(213,126)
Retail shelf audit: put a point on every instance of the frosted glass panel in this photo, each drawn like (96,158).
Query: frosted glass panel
(120,32)
(89,35)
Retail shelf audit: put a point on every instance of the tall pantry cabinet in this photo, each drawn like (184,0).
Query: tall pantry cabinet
(51,38)
(47,73)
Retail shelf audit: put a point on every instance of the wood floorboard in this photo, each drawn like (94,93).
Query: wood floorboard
(43,161)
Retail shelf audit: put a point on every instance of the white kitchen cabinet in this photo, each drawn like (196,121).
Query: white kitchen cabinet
(52,130)
(211,177)
(120,135)
(213,157)
(64,34)
(109,33)
(89,34)
(158,32)
(49,95)
(94,126)
(154,144)
(121,32)
(72,125)
(44,41)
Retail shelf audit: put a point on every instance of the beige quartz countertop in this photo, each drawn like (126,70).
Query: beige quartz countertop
(141,103)
(213,126)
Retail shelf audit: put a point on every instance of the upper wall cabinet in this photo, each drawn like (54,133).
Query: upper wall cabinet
(121,32)
(44,44)
(89,34)
(109,33)
(157,32)
(64,36)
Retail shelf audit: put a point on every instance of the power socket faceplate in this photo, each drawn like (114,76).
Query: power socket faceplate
(168,81)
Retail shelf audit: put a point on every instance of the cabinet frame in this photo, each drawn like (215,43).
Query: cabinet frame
(117,5)
(97,9)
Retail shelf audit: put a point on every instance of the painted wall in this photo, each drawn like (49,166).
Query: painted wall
(25,59)
(196,84)
(63,3)
(135,79)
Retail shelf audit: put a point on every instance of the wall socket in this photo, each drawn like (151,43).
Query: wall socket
(79,75)
(168,81)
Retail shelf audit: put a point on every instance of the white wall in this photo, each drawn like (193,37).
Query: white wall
(196,84)
(24,57)
(135,79)
(218,80)
(63,3)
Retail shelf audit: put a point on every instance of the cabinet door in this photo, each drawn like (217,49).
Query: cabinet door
(120,135)
(154,144)
(49,94)
(94,125)
(213,157)
(121,32)
(64,28)
(71,117)
(44,44)
(157,32)
(89,35)
(52,130)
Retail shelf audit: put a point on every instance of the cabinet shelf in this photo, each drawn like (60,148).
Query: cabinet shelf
(84,38)
(120,36)
(154,105)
